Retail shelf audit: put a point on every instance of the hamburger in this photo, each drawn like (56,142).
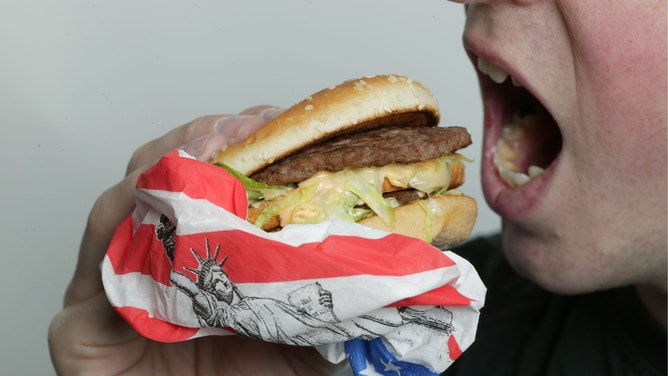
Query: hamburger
(368,151)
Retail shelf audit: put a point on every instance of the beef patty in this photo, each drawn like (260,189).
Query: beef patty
(378,147)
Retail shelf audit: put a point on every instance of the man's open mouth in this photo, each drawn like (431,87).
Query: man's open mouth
(529,139)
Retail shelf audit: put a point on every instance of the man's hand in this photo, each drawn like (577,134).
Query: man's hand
(88,337)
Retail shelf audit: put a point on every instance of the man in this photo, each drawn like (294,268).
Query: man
(576,89)
(590,85)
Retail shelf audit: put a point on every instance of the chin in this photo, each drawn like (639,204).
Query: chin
(580,264)
(544,260)
(525,252)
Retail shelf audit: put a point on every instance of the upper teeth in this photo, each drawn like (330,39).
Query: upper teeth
(505,154)
(497,74)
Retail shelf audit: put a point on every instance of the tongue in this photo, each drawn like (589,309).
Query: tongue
(541,142)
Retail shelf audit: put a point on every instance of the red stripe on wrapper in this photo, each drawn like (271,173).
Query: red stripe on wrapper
(151,261)
(153,328)
(197,180)
(336,256)
(453,348)
(444,295)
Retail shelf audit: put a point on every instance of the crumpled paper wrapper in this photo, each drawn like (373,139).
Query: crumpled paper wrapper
(187,264)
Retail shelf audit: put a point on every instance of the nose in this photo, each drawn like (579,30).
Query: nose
(471,5)
(518,2)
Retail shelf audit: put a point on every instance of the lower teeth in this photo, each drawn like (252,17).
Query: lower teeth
(505,153)
(535,171)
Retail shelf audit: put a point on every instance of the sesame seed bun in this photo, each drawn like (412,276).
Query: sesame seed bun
(353,107)
(448,219)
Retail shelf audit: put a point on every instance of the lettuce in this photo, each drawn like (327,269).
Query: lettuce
(348,195)
(370,196)
(257,191)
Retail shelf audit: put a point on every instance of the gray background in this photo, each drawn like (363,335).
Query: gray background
(84,83)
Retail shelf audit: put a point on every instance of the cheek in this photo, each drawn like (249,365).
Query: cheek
(619,48)
(620,54)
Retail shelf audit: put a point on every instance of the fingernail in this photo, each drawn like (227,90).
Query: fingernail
(196,146)
(229,126)
(271,113)
(239,126)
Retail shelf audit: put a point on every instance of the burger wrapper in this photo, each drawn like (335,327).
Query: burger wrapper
(187,264)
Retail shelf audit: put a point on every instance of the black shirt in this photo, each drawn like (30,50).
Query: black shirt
(525,330)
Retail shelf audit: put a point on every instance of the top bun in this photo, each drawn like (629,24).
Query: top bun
(352,106)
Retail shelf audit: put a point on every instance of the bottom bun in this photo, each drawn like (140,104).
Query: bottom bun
(443,220)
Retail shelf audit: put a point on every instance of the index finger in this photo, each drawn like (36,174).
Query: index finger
(116,203)
(175,138)
(109,210)
(205,135)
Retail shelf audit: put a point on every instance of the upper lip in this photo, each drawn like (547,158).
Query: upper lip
(475,51)
(480,49)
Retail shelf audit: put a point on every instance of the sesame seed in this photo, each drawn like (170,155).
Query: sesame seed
(359,85)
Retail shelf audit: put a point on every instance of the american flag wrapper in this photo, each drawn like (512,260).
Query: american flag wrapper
(187,264)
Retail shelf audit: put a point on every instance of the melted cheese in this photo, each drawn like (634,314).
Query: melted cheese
(337,195)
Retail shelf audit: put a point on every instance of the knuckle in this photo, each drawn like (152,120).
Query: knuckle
(136,159)
(110,209)
(177,137)
(98,213)
(197,127)
(190,131)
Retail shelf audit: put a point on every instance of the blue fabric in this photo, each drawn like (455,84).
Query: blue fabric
(369,358)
